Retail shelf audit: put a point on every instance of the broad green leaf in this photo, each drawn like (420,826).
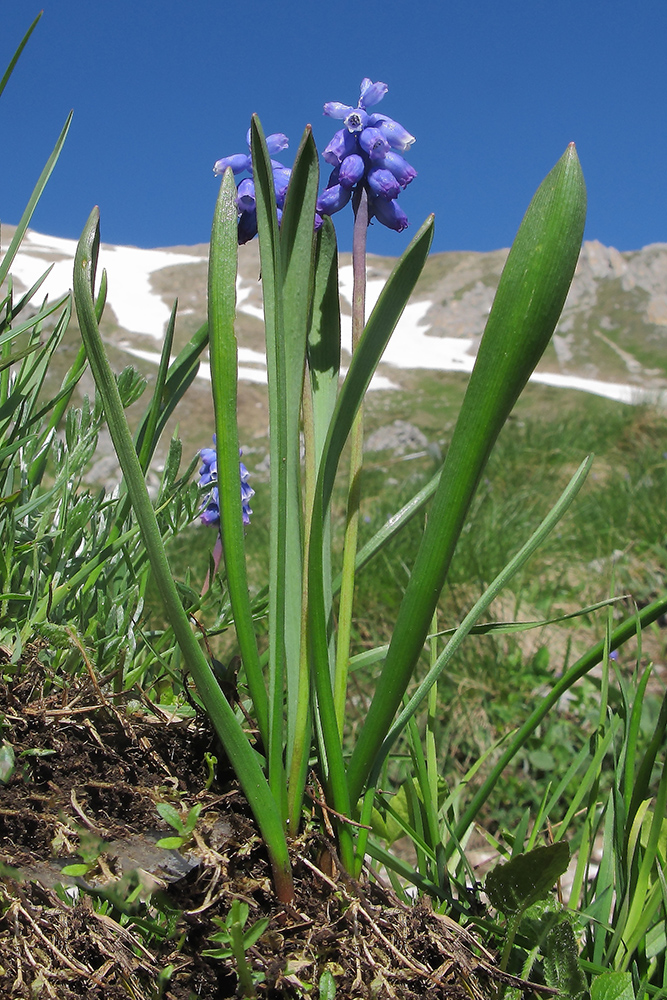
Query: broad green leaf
(274,330)
(224,382)
(297,251)
(613,986)
(324,333)
(377,332)
(514,886)
(528,302)
(327,986)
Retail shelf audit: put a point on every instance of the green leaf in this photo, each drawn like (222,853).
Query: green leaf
(528,302)
(274,329)
(169,843)
(327,986)
(254,933)
(241,754)
(7,762)
(224,370)
(561,963)
(375,337)
(514,886)
(15,58)
(613,986)
(297,251)
(75,870)
(171,816)
(24,221)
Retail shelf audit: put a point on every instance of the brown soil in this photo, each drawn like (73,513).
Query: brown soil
(87,779)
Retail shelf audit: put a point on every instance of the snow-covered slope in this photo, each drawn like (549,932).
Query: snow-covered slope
(611,340)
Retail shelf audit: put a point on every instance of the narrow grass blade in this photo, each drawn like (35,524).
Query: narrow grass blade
(241,755)
(24,221)
(529,300)
(182,372)
(500,582)
(17,55)
(224,383)
(153,413)
(511,627)
(392,527)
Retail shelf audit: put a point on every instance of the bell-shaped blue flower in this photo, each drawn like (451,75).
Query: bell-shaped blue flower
(351,170)
(403,171)
(343,144)
(398,137)
(238,162)
(333,199)
(334,109)
(389,213)
(371,93)
(245,195)
(383,184)
(374,144)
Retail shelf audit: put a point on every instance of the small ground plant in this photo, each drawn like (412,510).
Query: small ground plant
(75,567)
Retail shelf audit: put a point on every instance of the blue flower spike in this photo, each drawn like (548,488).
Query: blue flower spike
(367,151)
(208,476)
(245,202)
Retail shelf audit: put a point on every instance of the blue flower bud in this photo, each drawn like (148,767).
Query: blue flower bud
(333,199)
(373,142)
(351,170)
(247,228)
(245,195)
(398,137)
(403,171)
(390,214)
(281,177)
(384,184)
(238,162)
(371,93)
(275,143)
(334,109)
(343,144)
(210,513)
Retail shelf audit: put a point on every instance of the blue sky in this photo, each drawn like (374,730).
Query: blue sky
(493,92)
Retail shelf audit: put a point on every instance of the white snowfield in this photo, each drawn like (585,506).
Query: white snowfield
(141,310)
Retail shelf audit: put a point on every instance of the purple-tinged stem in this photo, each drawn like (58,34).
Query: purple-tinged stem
(356,461)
